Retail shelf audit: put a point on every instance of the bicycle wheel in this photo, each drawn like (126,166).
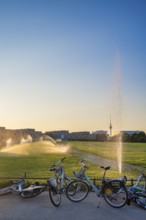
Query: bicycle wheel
(55,197)
(77,190)
(115,198)
(31,193)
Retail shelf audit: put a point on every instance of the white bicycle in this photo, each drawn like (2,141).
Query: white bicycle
(16,187)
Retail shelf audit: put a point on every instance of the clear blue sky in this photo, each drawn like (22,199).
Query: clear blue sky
(71,64)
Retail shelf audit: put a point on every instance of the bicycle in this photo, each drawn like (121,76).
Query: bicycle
(113,191)
(23,189)
(137,193)
(15,187)
(58,184)
(32,190)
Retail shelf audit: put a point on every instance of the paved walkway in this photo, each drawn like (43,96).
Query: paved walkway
(12,207)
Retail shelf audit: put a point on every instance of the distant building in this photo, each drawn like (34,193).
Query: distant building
(100,132)
(79,136)
(61,134)
(10,137)
(100,135)
(130,132)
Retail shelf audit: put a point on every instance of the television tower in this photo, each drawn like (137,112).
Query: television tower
(110,127)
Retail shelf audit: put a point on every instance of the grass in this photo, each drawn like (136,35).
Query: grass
(35,162)
(132,153)
(35,158)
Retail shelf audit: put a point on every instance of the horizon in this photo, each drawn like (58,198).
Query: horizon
(91,131)
(73,64)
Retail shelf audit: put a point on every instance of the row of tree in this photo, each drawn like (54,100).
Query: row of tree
(136,137)
(139,137)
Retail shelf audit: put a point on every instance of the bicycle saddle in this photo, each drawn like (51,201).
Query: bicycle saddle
(52,169)
(106,168)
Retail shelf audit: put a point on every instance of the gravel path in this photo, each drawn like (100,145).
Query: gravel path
(100,161)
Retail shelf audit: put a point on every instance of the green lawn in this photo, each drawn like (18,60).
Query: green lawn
(132,153)
(35,161)
(35,158)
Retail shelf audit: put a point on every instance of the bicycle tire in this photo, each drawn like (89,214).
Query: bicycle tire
(55,196)
(77,190)
(116,199)
(31,193)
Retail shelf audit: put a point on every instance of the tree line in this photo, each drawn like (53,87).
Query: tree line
(139,137)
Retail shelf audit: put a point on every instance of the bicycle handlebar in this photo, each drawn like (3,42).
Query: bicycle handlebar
(84,165)
(58,162)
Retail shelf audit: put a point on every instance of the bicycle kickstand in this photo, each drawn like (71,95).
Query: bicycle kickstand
(99,201)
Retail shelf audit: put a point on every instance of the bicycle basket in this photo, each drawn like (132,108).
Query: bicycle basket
(53,182)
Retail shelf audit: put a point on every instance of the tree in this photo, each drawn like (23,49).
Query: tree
(141,137)
(126,137)
(134,137)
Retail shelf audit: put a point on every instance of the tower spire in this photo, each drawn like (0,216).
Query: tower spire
(110,127)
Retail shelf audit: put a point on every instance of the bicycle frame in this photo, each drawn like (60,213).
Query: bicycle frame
(82,175)
(63,178)
(61,171)
(137,193)
(140,188)
(61,181)
(110,183)
(91,184)
(113,191)
(15,187)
